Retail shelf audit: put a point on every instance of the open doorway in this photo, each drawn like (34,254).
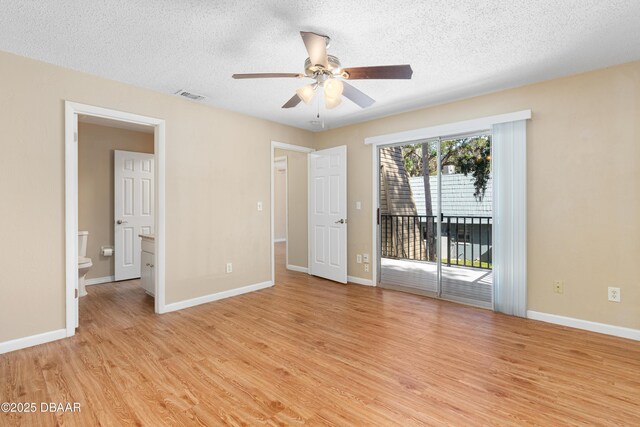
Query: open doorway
(289,204)
(77,117)
(115,207)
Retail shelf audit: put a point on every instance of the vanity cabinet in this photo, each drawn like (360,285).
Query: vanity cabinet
(148,271)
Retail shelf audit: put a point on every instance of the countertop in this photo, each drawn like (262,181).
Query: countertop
(148,236)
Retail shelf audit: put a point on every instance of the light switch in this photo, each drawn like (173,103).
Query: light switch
(358,205)
(259,206)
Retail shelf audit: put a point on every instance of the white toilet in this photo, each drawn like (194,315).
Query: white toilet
(84,263)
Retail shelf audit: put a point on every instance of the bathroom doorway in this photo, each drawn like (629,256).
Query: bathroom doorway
(92,137)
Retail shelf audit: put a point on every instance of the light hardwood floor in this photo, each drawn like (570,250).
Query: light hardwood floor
(309,351)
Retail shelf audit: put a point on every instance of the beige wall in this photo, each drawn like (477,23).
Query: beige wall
(96,145)
(297,242)
(583,148)
(210,199)
(279,203)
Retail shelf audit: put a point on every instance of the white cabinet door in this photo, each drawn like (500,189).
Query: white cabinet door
(147,270)
(328,213)
(133,204)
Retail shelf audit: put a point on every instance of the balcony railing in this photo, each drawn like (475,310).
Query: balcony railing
(466,240)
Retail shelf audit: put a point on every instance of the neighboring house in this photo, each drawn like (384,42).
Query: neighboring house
(467,221)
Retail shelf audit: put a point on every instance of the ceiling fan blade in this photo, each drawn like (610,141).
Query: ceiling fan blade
(316,45)
(295,100)
(357,96)
(266,75)
(379,72)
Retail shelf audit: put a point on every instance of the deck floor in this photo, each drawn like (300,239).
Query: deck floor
(472,285)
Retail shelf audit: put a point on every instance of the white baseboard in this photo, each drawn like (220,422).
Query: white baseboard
(602,328)
(297,268)
(283,239)
(360,281)
(32,340)
(99,280)
(215,297)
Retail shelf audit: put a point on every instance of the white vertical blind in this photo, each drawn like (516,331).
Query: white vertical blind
(509,156)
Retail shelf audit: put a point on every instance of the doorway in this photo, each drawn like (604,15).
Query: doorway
(289,204)
(73,111)
(435,218)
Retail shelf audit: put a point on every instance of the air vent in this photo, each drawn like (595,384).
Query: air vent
(190,95)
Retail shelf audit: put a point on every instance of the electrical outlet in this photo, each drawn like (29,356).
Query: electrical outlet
(366,268)
(359,259)
(229,267)
(365,258)
(614,294)
(259,206)
(558,287)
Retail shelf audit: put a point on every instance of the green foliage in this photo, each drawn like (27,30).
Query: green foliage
(468,155)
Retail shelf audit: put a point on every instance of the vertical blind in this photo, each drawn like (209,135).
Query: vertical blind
(509,156)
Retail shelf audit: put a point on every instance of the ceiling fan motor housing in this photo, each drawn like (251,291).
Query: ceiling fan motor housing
(314,70)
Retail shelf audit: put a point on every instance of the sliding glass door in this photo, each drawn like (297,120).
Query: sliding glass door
(435,218)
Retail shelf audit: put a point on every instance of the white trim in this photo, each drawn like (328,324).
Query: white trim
(72,110)
(99,280)
(217,296)
(587,325)
(297,268)
(281,240)
(290,147)
(375,205)
(30,341)
(360,281)
(447,129)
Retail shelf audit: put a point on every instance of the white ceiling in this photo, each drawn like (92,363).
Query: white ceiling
(457,48)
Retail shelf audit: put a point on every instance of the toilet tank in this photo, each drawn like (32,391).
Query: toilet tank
(83,236)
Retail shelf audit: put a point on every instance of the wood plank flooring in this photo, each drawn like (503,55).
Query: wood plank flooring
(309,351)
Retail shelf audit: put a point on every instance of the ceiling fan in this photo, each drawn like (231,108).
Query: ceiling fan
(328,73)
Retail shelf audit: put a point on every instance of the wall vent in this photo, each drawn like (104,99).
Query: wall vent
(190,95)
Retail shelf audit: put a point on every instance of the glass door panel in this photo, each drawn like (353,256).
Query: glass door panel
(408,216)
(466,219)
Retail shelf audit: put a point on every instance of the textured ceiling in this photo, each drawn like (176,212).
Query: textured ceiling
(456,48)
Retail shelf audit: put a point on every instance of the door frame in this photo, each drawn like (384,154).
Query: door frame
(72,110)
(290,147)
(284,160)
(455,128)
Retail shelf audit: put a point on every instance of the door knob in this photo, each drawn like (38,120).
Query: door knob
(121,222)
(342,221)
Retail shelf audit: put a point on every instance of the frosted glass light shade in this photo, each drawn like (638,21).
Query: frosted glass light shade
(333,88)
(306,93)
(332,102)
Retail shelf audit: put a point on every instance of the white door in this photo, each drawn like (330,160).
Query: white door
(328,213)
(133,215)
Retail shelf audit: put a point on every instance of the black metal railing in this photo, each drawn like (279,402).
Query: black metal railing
(466,239)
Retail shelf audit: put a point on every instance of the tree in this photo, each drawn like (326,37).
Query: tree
(468,155)
(431,242)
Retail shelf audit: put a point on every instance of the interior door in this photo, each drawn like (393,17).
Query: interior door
(328,213)
(133,209)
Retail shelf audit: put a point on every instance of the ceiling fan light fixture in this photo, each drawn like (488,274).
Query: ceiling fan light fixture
(333,88)
(331,102)
(306,93)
